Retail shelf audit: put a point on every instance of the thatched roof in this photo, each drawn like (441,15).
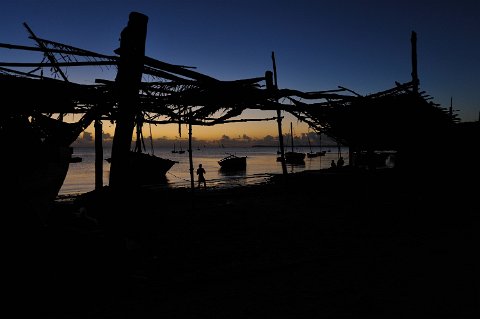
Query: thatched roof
(178,94)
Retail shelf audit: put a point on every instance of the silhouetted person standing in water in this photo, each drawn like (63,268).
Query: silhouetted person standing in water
(333,164)
(201,177)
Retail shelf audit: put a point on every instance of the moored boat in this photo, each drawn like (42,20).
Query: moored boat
(147,168)
(293,157)
(233,162)
(316,154)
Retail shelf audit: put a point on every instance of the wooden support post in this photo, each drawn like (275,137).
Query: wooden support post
(415,80)
(98,155)
(279,121)
(450,109)
(320,144)
(128,80)
(190,154)
(280,139)
(351,157)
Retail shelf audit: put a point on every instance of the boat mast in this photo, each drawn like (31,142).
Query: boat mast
(139,140)
(279,118)
(291,134)
(98,154)
(190,154)
(320,145)
(309,144)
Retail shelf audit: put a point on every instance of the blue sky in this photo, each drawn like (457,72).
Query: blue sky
(319,45)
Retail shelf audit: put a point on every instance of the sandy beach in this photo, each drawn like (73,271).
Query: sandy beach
(332,244)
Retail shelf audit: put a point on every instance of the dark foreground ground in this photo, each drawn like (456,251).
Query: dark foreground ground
(353,244)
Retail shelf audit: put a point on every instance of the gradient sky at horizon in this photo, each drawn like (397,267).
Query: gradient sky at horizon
(319,45)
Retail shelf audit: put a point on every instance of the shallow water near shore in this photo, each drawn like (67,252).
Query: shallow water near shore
(261,164)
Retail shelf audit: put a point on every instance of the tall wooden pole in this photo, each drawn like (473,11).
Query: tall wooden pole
(279,120)
(450,109)
(98,155)
(320,148)
(190,155)
(128,80)
(415,80)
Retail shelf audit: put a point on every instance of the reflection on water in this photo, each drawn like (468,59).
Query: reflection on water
(261,164)
(295,167)
(229,178)
(232,173)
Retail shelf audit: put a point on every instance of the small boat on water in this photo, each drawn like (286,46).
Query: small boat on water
(75,159)
(147,168)
(316,154)
(233,162)
(312,154)
(181,151)
(293,157)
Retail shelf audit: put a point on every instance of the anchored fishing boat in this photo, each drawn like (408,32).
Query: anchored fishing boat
(233,162)
(147,168)
(312,154)
(293,157)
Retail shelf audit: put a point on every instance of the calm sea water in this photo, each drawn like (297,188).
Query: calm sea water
(261,163)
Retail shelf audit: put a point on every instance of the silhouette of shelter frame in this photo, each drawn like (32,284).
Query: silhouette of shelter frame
(387,120)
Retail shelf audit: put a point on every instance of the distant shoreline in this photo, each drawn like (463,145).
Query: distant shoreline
(300,145)
(215,146)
